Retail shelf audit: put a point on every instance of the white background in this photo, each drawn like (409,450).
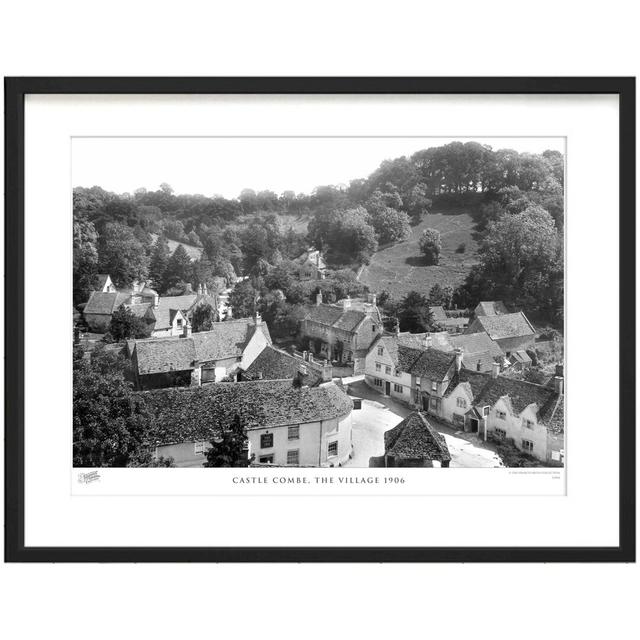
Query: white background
(372,38)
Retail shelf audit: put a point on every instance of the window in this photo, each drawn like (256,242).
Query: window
(266,440)
(378,366)
(293,456)
(434,386)
(179,323)
(332,449)
(380,351)
(485,411)
(374,327)
(265,459)
(527,424)
(198,448)
(293,432)
(461,402)
(398,388)
(396,373)
(387,370)
(377,382)
(527,446)
(555,455)
(501,415)
(500,433)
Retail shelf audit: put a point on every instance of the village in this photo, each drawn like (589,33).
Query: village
(413,317)
(347,392)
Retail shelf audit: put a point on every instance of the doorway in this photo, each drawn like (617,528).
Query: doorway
(387,388)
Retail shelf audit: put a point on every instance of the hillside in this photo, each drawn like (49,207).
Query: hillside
(193,252)
(400,268)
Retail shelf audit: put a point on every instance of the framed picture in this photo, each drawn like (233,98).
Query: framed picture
(320,319)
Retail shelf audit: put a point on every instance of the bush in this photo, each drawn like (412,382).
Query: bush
(430,245)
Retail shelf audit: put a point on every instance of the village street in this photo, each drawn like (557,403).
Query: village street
(379,414)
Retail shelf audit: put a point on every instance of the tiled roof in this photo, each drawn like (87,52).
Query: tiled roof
(414,438)
(197,413)
(439,314)
(275,364)
(104,303)
(491,308)
(328,315)
(225,340)
(165,354)
(429,363)
(487,391)
(477,347)
(509,325)
(439,340)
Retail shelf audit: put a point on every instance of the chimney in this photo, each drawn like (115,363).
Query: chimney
(318,298)
(373,299)
(495,369)
(258,319)
(478,366)
(397,327)
(229,312)
(426,341)
(196,375)
(304,356)
(204,290)
(459,356)
(200,289)
(189,288)
(186,331)
(558,384)
(156,300)
(346,303)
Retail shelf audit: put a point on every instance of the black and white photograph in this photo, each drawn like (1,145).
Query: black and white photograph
(327,301)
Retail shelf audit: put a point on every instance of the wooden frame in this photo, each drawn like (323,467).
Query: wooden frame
(15,91)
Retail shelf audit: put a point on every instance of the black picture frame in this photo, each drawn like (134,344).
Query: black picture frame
(15,91)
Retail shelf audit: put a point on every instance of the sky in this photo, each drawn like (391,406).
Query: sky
(225,166)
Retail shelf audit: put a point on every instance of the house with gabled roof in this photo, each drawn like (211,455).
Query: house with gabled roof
(340,331)
(196,358)
(512,331)
(528,415)
(415,443)
(310,265)
(285,424)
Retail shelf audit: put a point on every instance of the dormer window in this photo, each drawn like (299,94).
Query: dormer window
(528,424)
(380,351)
(434,386)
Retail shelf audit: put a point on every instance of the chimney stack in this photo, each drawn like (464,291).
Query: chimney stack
(459,356)
(156,300)
(495,369)
(478,366)
(346,303)
(186,331)
(204,290)
(200,289)
(258,319)
(189,288)
(426,341)
(229,312)
(318,298)
(397,327)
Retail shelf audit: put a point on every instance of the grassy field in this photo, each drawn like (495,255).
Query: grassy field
(193,252)
(401,268)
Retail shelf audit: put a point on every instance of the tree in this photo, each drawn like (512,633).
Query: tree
(390,224)
(414,314)
(159,262)
(122,255)
(243,299)
(110,422)
(521,262)
(85,257)
(228,448)
(179,268)
(430,245)
(203,318)
(125,325)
